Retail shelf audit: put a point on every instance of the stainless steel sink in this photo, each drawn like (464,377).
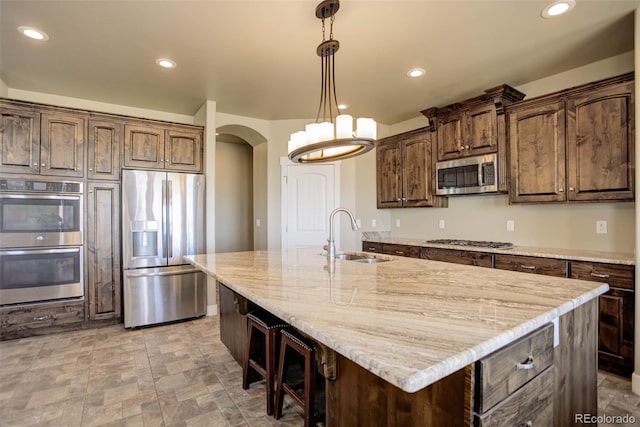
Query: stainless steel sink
(367,259)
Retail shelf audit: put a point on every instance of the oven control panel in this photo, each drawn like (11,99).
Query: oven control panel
(40,186)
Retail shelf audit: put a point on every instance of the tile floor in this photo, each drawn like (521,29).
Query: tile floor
(172,375)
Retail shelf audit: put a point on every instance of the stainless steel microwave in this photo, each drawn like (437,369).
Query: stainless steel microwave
(469,175)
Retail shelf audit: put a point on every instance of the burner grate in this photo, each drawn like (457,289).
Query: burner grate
(476,243)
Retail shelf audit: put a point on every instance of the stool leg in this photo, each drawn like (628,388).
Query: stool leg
(270,361)
(282,377)
(245,364)
(309,388)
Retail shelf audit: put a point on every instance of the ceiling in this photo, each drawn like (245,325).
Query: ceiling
(258,58)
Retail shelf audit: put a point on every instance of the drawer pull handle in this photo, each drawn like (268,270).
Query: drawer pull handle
(528,364)
(47,317)
(528,267)
(600,276)
(399,252)
(527,424)
(372,249)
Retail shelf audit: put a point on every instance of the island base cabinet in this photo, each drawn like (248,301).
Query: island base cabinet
(233,321)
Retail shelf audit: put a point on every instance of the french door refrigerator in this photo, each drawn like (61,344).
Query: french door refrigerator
(162,220)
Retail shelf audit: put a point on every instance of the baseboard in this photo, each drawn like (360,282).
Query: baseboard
(212,310)
(635,383)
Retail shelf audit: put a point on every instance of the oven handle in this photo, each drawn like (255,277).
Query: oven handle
(163,273)
(28,196)
(40,251)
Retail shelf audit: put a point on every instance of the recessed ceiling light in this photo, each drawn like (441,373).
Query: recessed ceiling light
(558,8)
(33,33)
(416,72)
(342,106)
(166,63)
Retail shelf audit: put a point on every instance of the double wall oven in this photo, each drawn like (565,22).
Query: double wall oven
(40,240)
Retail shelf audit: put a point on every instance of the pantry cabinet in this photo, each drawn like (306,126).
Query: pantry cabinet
(405,171)
(103,152)
(575,145)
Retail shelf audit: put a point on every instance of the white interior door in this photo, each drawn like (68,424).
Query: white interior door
(309,194)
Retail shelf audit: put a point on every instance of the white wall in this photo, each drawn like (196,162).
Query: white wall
(484,217)
(234,194)
(4,89)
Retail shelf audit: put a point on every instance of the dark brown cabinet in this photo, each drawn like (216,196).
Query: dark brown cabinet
(479,259)
(574,145)
(474,126)
(401,250)
(616,313)
(103,250)
(50,142)
(103,149)
(40,319)
(404,171)
(530,264)
(372,247)
(158,147)
(233,321)
(19,139)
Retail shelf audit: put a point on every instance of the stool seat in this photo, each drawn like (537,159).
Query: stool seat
(293,344)
(263,328)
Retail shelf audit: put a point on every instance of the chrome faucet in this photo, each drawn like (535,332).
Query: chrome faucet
(331,245)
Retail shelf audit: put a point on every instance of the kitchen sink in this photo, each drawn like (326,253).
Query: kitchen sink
(367,259)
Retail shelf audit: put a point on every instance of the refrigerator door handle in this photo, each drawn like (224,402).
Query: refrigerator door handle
(170,218)
(164,219)
(163,273)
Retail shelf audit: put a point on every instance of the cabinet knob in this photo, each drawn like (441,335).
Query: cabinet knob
(90,169)
(42,164)
(527,364)
(35,164)
(572,189)
(466,147)
(561,190)
(162,160)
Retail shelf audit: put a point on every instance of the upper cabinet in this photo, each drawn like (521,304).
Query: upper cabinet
(160,147)
(404,172)
(472,127)
(47,143)
(574,145)
(103,149)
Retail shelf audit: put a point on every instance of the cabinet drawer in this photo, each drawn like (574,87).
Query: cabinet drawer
(372,247)
(529,264)
(617,276)
(505,371)
(458,257)
(25,321)
(532,405)
(402,250)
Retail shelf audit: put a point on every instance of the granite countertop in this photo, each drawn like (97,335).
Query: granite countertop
(411,322)
(569,254)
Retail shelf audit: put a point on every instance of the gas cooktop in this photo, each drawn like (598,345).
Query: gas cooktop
(477,243)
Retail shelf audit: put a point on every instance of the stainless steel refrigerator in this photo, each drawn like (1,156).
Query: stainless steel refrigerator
(162,220)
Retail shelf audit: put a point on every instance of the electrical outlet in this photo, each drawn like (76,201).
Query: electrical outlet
(374,223)
(441,224)
(359,223)
(511,225)
(258,222)
(397,223)
(601,227)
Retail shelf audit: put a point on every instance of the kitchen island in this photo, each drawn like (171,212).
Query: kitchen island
(417,342)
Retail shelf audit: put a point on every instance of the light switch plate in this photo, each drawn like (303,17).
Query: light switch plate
(397,223)
(359,223)
(374,223)
(601,227)
(511,225)
(441,224)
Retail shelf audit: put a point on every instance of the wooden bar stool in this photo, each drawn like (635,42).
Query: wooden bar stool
(262,352)
(294,346)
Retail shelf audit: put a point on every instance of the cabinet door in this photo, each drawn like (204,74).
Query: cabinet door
(537,146)
(616,313)
(416,170)
(401,250)
(143,146)
(104,139)
(103,250)
(450,137)
(481,134)
(528,264)
(600,144)
(62,144)
(19,140)
(183,150)
(388,176)
(371,246)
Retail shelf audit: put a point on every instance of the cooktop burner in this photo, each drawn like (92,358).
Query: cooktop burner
(477,243)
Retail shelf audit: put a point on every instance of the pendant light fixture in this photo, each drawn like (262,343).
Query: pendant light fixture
(324,141)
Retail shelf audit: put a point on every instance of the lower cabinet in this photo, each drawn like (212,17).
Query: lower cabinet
(401,250)
(103,251)
(616,314)
(454,256)
(40,319)
(372,247)
(530,264)
(233,321)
